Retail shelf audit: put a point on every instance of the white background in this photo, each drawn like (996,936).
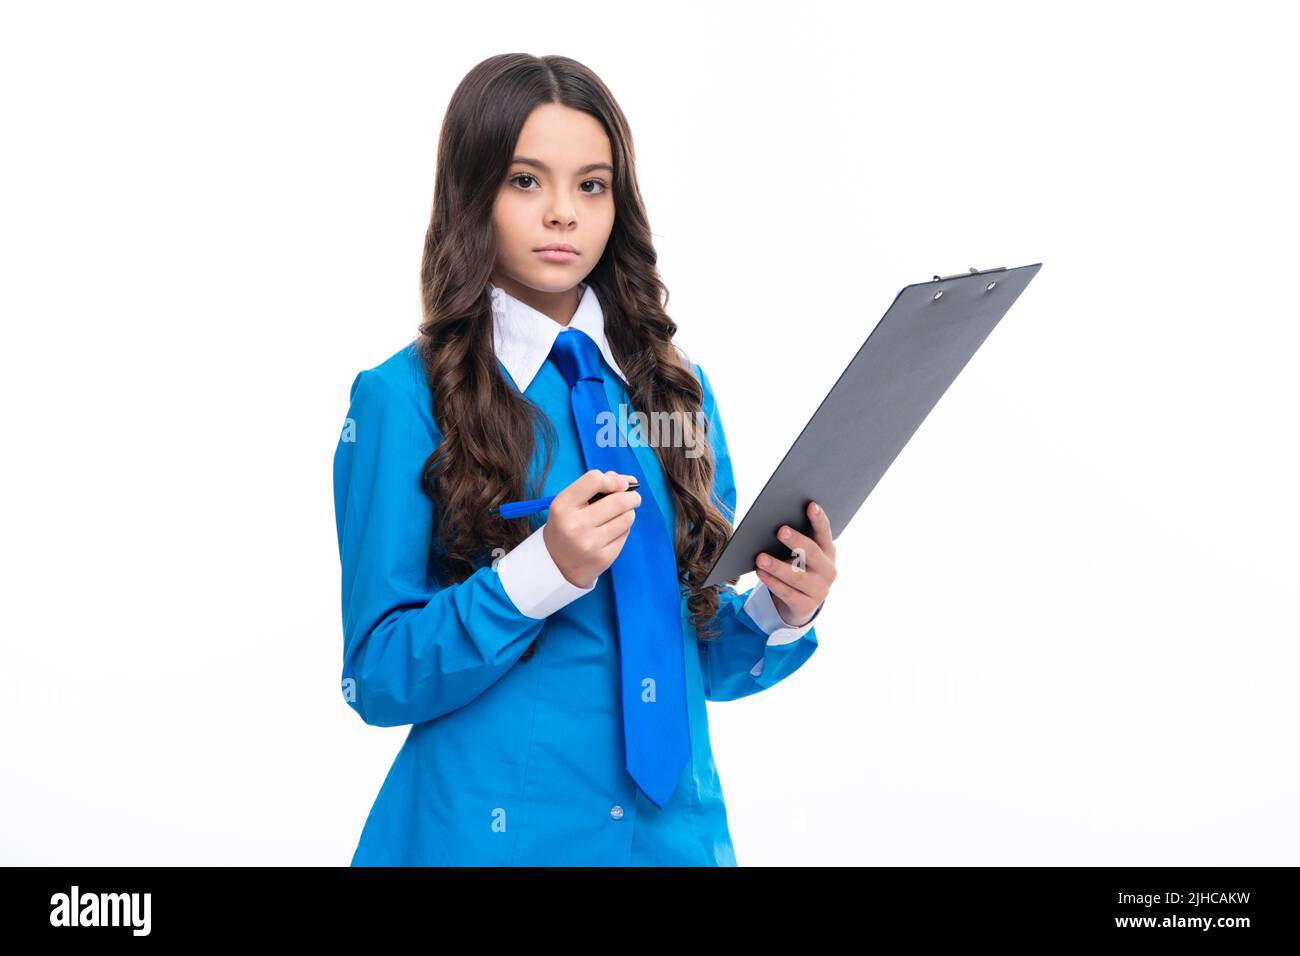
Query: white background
(1065,625)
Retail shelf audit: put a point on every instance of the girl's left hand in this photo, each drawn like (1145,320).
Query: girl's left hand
(798,593)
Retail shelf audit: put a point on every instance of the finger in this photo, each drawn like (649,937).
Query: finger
(799,602)
(614,483)
(610,507)
(611,534)
(803,581)
(813,557)
(586,486)
(589,484)
(821,526)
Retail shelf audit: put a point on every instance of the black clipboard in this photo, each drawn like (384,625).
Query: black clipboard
(898,375)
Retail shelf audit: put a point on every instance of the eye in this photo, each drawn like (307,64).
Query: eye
(604,186)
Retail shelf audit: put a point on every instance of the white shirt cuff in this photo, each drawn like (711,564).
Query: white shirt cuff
(759,606)
(533,581)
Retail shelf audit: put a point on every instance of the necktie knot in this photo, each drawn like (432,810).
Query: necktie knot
(577,355)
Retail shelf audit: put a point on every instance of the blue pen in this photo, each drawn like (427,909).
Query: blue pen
(518,509)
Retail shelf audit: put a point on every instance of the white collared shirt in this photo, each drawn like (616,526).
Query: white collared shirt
(522,339)
(523,336)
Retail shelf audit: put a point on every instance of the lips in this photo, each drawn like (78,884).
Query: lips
(557,247)
(557,255)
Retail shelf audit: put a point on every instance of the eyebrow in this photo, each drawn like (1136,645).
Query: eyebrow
(589,168)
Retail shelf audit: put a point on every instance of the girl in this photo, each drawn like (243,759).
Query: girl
(556,699)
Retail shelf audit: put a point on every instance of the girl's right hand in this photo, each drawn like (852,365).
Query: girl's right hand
(584,539)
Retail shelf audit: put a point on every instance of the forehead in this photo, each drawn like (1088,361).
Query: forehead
(563,138)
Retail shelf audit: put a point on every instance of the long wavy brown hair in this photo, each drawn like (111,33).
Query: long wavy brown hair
(488,427)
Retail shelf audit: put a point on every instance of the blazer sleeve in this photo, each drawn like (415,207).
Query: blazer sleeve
(414,650)
(755,648)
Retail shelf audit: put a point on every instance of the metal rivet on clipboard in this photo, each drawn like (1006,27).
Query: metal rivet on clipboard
(988,288)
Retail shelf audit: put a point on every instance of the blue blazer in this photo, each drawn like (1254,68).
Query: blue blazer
(514,761)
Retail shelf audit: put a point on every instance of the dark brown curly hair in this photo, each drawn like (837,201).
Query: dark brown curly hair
(487,426)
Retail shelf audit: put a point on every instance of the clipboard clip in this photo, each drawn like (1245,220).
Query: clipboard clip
(973,271)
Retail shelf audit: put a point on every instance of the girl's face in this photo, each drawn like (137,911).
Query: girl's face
(558,190)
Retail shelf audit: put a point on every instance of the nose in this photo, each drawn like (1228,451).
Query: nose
(561,213)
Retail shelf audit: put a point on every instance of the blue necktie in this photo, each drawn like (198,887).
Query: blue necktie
(646,593)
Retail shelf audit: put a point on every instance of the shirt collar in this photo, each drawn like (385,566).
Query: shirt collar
(523,336)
